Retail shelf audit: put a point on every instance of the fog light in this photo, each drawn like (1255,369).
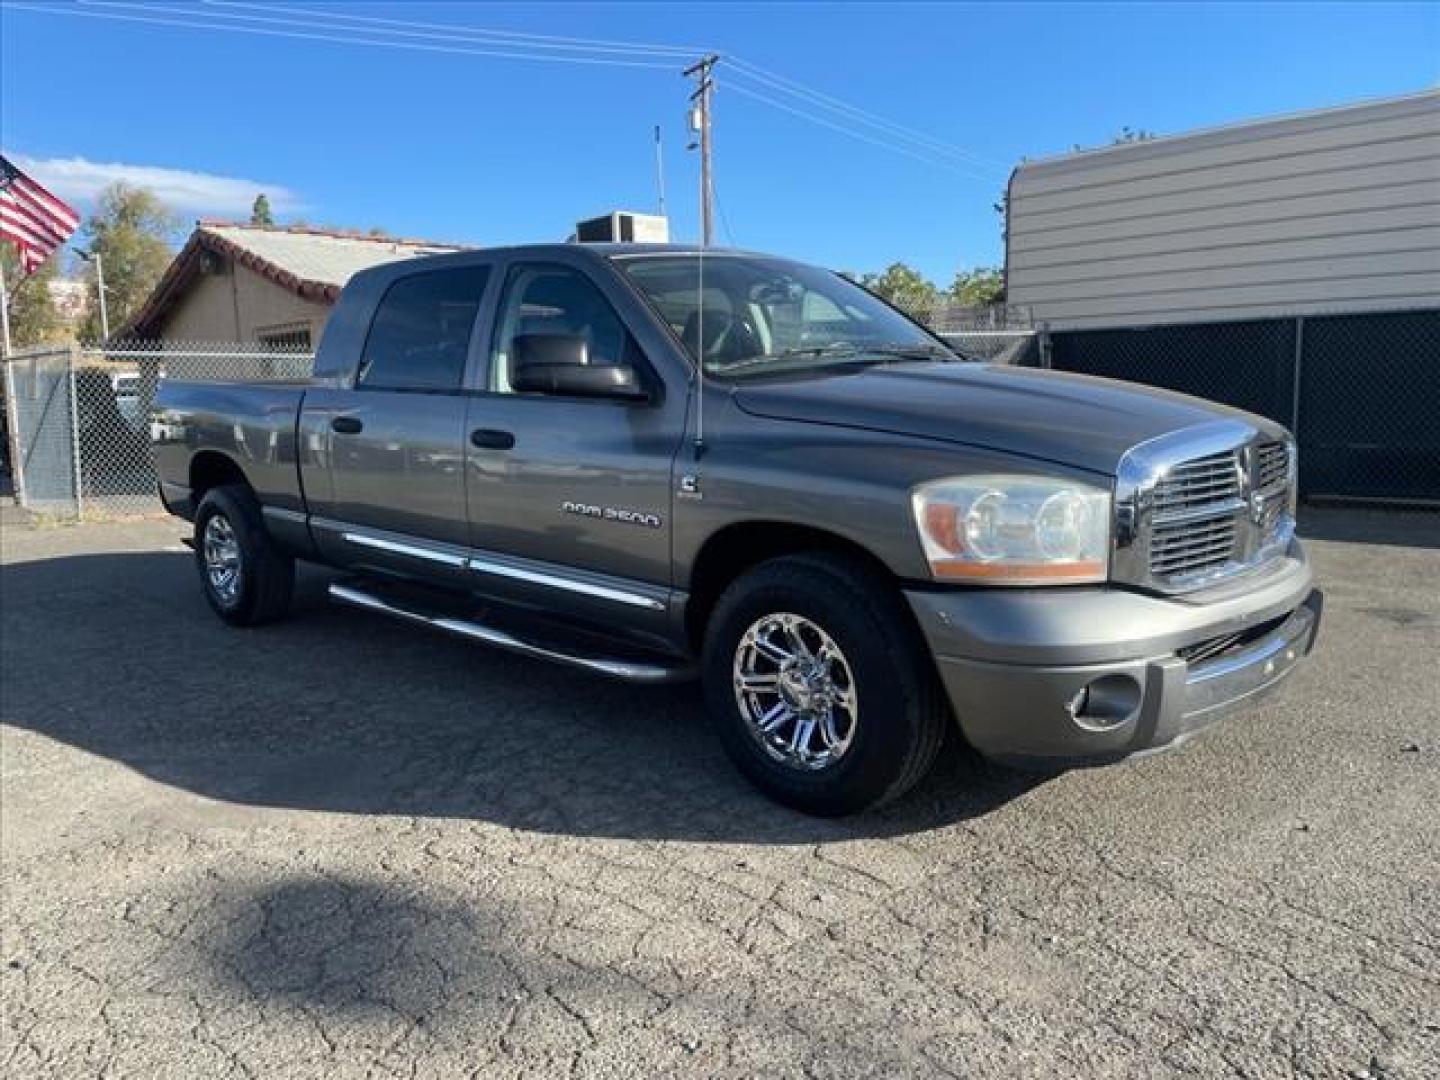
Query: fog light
(1105,703)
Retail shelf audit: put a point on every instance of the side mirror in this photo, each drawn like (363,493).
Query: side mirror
(560,364)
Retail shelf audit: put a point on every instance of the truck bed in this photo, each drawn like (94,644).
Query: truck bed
(252,423)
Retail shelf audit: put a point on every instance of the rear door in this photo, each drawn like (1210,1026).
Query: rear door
(570,498)
(394,443)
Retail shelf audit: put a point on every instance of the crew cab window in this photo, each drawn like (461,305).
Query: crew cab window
(552,299)
(420,335)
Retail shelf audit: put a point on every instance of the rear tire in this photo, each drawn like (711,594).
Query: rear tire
(859,675)
(246,579)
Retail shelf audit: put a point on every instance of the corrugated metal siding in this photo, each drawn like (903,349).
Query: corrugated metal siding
(1332,211)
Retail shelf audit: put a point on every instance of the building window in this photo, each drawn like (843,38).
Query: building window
(285,336)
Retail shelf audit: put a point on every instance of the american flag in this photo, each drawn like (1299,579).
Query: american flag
(32,219)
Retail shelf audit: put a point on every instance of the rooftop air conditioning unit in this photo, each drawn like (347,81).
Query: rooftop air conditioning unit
(622,226)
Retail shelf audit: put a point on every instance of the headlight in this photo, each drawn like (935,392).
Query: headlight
(1014,530)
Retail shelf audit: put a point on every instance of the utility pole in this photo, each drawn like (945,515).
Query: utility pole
(100,293)
(700,71)
(4,320)
(659,171)
(94,257)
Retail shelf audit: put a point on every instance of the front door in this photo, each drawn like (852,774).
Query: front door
(570,497)
(396,499)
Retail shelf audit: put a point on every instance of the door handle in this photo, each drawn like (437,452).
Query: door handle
(490,439)
(347,425)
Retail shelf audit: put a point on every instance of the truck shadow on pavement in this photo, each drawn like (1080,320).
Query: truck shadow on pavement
(335,710)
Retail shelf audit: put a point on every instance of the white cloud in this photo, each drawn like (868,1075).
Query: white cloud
(78,180)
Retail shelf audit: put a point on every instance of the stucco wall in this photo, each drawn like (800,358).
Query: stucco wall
(205,313)
(236,306)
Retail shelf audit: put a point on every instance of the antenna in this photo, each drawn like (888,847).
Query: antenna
(659,170)
(700,356)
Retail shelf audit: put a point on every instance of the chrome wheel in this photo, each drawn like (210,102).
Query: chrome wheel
(796,692)
(221,552)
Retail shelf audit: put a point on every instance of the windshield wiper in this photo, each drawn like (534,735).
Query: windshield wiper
(838,352)
(834,350)
(917,350)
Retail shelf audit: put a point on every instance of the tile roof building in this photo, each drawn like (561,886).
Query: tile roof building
(276,285)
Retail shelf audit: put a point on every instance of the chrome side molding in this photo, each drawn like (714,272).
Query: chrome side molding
(414,551)
(496,568)
(555,581)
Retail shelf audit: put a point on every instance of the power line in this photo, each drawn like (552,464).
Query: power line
(213,19)
(774,80)
(833,104)
(835,115)
(414,46)
(530,41)
(836,105)
(724,219)
(892,146)
(540,40)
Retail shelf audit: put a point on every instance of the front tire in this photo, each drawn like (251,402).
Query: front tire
(820,686)
(246,579)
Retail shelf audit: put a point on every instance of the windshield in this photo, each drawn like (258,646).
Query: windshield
(756,315)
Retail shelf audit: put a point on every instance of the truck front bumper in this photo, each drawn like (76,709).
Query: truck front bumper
(1081,676)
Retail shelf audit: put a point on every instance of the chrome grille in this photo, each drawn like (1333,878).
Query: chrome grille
(1274,465)
(1199,483)
(1190,547)
(1193,527)
(1187,519)
(1272,472)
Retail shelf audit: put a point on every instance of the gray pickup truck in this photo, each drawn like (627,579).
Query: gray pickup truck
(657,463)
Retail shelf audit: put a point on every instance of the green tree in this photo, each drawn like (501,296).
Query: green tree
(1001,206)
(260,212)
(978,287)
(130,230)
(1129,135)
(1126,134)
(33,315)
(905,287)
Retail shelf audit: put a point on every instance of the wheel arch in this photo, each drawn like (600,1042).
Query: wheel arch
(732,550)
(211,469)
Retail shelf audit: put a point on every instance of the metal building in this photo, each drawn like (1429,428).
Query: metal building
(1290,266)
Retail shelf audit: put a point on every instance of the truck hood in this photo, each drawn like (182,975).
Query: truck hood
(1074,420)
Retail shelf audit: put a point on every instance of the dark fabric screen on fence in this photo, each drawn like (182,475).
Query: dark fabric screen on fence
(1370,406)
(1369,401)
(1244,364)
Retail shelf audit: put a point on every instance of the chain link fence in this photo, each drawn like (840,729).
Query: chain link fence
(77,417)
(1361,392)
(996,333)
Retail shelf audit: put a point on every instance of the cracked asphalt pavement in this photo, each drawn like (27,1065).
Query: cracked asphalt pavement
(342,847)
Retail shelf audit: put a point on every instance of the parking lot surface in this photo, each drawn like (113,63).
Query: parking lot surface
(343,847)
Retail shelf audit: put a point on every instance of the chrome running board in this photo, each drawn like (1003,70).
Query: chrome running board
(628,670)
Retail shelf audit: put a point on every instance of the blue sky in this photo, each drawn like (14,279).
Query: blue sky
(490,150)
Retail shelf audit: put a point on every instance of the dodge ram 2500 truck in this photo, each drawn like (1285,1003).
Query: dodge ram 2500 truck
(656,463)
